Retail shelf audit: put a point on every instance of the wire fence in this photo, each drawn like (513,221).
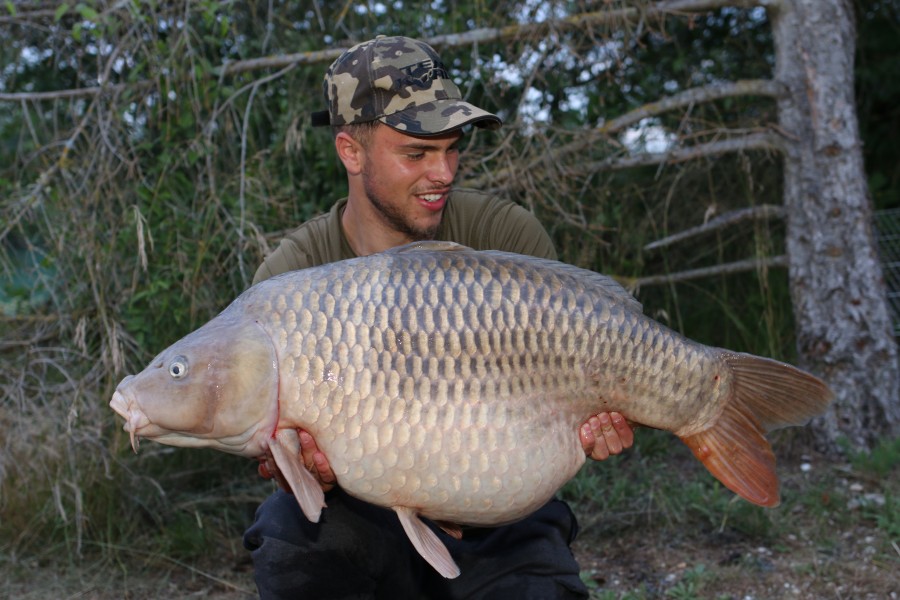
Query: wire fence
(887,235)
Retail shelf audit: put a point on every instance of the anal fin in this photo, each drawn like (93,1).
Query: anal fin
(427,543)
(451,529)
(285,447)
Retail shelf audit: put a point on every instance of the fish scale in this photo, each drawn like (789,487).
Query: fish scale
(451,384)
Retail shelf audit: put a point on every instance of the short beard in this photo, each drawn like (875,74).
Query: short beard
(395,218)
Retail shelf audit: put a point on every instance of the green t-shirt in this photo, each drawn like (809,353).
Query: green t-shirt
(476,219)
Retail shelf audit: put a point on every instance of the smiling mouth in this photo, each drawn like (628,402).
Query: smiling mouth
(433,196)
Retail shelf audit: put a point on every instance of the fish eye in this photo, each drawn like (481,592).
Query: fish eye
(178,368)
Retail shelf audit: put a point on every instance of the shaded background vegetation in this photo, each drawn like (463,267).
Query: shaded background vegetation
(131,216)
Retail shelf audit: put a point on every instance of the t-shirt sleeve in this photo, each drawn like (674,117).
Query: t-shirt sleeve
(315,242)
(288,256)
(514,228)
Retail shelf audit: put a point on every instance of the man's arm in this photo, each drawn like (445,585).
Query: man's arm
(288,256)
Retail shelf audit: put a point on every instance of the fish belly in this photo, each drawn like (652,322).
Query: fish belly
(476,464)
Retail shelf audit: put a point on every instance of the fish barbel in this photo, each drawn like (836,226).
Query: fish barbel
(450,384)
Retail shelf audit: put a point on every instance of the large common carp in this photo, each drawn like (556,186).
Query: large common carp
(449,383)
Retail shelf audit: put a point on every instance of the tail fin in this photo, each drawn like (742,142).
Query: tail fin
(765,395)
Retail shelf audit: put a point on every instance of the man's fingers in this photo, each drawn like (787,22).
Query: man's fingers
(308,447)
(609,433)
(267,468)
(623,429)
(593,441)
(326,475)
(605,434)
(263,470)
(316,461)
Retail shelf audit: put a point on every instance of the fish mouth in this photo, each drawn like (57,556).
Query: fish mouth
(135,419)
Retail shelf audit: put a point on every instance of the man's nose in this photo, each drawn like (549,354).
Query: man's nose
(440,169)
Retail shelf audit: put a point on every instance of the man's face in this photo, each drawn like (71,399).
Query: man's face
(407,179)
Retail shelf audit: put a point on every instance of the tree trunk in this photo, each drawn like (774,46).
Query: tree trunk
(844,331)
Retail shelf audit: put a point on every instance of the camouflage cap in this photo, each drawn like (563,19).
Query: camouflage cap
(400,82)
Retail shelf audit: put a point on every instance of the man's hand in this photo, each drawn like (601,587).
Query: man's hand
(314,460)
(605,434)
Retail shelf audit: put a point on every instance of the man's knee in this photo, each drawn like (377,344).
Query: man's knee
(355,548)
(278,517)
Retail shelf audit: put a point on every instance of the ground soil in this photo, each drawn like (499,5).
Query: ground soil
(827,548)
(722,566)
(818,557)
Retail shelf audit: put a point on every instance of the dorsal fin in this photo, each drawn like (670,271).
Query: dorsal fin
(612,288)
(430,245)
(617,291)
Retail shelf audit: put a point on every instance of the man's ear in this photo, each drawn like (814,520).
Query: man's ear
(350,152)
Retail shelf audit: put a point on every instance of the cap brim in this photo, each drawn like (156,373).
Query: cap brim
(440,116)
(320,118)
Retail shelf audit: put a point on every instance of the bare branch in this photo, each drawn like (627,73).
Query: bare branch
(277,62)
(753,141)
(493,34)
(75,93)
(583,20)
(749,264)
(36,193)
(718,91)
(763,211)
(24,17)
(708,93)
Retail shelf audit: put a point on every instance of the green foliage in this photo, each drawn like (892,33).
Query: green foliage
(665,496)
(877,91)
(641,488)
(880,461)
(886,514)
(690,585)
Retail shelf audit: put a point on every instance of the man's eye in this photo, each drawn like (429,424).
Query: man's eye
(417,156)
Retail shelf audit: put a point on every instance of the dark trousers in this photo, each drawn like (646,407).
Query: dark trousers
(358,550)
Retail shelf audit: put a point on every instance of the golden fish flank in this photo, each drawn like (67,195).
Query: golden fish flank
(450,384)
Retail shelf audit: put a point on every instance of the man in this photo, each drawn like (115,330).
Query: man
(397,120)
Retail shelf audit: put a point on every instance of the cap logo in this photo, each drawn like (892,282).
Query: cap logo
(422,73)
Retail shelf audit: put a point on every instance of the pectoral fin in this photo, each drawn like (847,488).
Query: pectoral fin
(427,543)
(285,448)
